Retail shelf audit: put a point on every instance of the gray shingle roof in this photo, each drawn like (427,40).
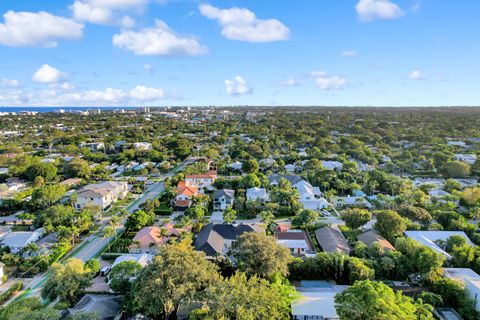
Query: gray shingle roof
(332,240)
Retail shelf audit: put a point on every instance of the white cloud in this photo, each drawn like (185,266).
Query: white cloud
(159,40)
(106,11)
(42,29)
(59,95)
(349,53)
(146,94)
(47,74)
(369,10)
(242,24)
(416,75)
(12,83)
(237,86)
(290,82)
(328,82)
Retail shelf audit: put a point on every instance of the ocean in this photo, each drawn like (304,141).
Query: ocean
(53,109)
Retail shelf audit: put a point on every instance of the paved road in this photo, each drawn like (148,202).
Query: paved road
(93,245)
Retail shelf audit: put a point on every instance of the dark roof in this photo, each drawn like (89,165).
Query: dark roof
(211,238)
(107,306)
(228,193)
(293,179)
(332,240)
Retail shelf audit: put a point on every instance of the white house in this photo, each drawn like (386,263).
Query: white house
(222,199)
(237,165)
(310,197)
(18,240)
(431,238)
(142,146)
(101,195)
(257,194)
(297,241)
(290,168)
(205,180)
(468,277)
(142,258)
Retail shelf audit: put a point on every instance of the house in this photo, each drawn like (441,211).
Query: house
(235,166)
(205,180)
(101,195)
(149,239)
(257,194)
(351,201)
(93,146)
(432,239)
(298,241)
(142,146)
(18,240)
(317,301)
(2,273)
(217,239)
(70,183)
(143,259)
(332,165)
(15,184)
(183,199)
(310,197)
(371,236)
(106,306)
(469,278)
(222,199)
(467,158)
(274,179)
(331,239)
(290,168)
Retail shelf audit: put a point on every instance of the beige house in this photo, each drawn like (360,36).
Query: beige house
(101,195)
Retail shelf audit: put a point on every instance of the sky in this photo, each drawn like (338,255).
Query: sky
(273,53)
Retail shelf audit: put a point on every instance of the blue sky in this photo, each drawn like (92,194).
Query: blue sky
(187,52)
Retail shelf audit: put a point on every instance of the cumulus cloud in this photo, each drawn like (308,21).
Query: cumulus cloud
(159,40)
(243,25)
(369,10)
(11,83)
(328,82)
(60,95)
(41,29)
(416,75)
(237,86)
(106,11)
(47,74)
(349,53)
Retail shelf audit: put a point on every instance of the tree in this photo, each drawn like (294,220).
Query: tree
(390,224)
(122,275)
(47,171)
(139,219)
(242,297)
(456,295)
(77,168)
(261,255)
(28,309)
(471,195)
(229,215)
(176,274)
(375,300)
(250,180)
(355,218)
(455,169)
(305,219)
(250,166)
(416,214)
(84,316)
(93,265)
(68,281)
(47,195)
